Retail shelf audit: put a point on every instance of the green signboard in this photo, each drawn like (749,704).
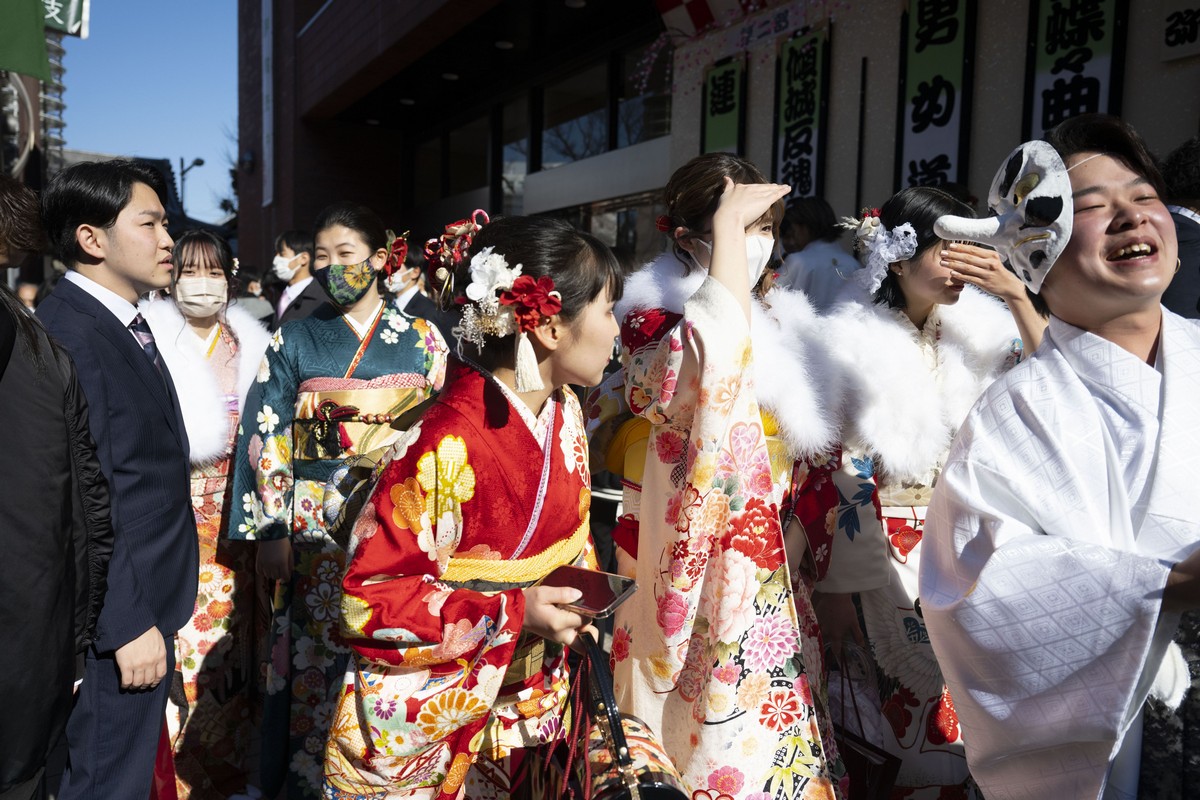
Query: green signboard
(724,106)
(937,46)
(1075,61)
(801,105)
(68,16)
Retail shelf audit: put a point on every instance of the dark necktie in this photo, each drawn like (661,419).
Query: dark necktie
(141,332)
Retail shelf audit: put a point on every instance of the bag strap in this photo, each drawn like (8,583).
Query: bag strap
(604,705)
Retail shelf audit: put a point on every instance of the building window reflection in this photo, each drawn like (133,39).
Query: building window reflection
(576,117)
(514,138)
(644,98)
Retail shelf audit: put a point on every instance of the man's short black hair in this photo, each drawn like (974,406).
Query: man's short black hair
(296,241)
(92,193)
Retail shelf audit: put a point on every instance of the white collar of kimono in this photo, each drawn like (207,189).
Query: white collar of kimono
(363,328)
(537,424)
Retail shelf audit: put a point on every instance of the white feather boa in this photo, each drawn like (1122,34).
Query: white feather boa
(898,410)
(795,378)
(200,398)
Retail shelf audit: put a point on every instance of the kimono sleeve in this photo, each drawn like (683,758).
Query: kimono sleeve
(669,357)
(263,478)
(395,610)
(843,495)
(1044,640)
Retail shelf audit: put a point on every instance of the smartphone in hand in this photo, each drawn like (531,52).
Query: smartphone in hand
(602,591)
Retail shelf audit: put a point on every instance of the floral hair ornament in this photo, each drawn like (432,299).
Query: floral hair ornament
(397,252)
(236,266)
(444,253)
(501,301)
(663,223)
(877,247)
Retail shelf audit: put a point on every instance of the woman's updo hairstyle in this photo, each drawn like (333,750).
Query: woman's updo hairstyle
(919,206)
(580,265)
(694,192)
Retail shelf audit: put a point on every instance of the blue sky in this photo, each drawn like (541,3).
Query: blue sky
(158,79)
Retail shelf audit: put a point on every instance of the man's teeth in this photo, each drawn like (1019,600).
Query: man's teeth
(1140,249)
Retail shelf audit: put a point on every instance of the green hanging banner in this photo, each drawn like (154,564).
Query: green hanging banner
(801,109)
(68,16)
(1075,62)
(937,48)
(724,106)
(23,39)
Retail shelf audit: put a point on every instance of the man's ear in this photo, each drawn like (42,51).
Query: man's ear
(92,240)
(549,334)
(305,259)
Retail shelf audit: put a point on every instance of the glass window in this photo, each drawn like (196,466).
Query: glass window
(626,224)
(427,171)
(644,103)
(515,139)
(576,117)
(469,156)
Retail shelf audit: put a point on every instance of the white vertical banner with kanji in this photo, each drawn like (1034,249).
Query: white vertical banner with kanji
(1076,61)
(1180,28)
(934,116)
(802,89)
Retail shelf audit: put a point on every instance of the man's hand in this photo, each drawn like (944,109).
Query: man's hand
(275,559)
(143,662)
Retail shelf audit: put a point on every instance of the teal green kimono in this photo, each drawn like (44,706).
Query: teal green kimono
(323,395)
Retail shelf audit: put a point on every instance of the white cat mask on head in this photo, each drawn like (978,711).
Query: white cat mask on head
(1033,208)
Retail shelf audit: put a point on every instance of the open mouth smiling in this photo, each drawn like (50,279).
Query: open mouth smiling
(1132,251)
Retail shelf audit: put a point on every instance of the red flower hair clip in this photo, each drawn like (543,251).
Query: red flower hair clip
(532,300)
(397,252)
(663,223)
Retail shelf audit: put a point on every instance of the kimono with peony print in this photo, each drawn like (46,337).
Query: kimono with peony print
(311,407)
(444,693)
(710,651)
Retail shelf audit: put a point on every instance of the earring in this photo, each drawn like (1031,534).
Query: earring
(1178,264)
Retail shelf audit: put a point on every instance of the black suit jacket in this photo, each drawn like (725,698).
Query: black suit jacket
(305,303)
(143,451)
(421,306)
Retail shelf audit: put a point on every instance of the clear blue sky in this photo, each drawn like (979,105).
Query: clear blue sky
(158,79)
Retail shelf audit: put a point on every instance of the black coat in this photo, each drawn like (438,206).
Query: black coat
(56,539)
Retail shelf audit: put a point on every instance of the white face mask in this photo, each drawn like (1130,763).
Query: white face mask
(200,298)
(283,269)
(758,254)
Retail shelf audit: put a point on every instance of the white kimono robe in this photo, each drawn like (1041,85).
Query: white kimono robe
(1067,497)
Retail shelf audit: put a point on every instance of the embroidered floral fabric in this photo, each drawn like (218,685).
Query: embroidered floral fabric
(710,650)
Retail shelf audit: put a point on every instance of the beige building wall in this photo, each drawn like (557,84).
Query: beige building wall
(1160,98)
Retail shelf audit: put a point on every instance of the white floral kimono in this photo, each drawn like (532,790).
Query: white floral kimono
(1068,495)
(709,651)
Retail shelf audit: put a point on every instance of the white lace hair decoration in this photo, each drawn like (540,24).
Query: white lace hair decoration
(1031,200)
(878,247)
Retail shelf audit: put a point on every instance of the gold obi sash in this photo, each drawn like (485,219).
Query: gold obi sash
(349,422)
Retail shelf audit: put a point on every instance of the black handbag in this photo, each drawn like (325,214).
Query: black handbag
(871,769)
(622,758)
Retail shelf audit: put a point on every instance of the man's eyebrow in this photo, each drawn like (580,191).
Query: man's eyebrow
(151,212)
(1140,179)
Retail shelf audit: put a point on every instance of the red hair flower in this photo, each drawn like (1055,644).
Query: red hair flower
(663,223)
(532,300)
(397,252)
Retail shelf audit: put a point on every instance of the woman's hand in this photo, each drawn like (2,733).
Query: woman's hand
(983,268)
(274,560)
(743,203)
(838,620)
(545,616)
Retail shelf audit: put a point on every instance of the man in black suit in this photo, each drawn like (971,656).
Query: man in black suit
(406,283)
(106,222)
(293,266)
(1181,170)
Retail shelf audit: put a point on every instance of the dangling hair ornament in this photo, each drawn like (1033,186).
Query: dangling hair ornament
(397,252)
(236,266)
(531,301)
(444,253)
(879,246)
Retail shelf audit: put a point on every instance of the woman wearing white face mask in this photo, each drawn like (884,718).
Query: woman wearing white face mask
(212,351)
(726,392)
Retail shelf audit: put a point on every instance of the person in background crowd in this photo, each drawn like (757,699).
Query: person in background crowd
(27,294)
(915,349)
(329,389)
(718,650)
(1061,545)
(1181,171)
(57,535)
(406,284)
(817,263)
(460,668)
(251,297)
(292,266)
(106,222)
(213,351)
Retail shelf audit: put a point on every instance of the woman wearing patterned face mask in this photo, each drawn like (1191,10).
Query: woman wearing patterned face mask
(329,389)
(212,351)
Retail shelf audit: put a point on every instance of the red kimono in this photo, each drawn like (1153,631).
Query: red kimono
(479,500)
